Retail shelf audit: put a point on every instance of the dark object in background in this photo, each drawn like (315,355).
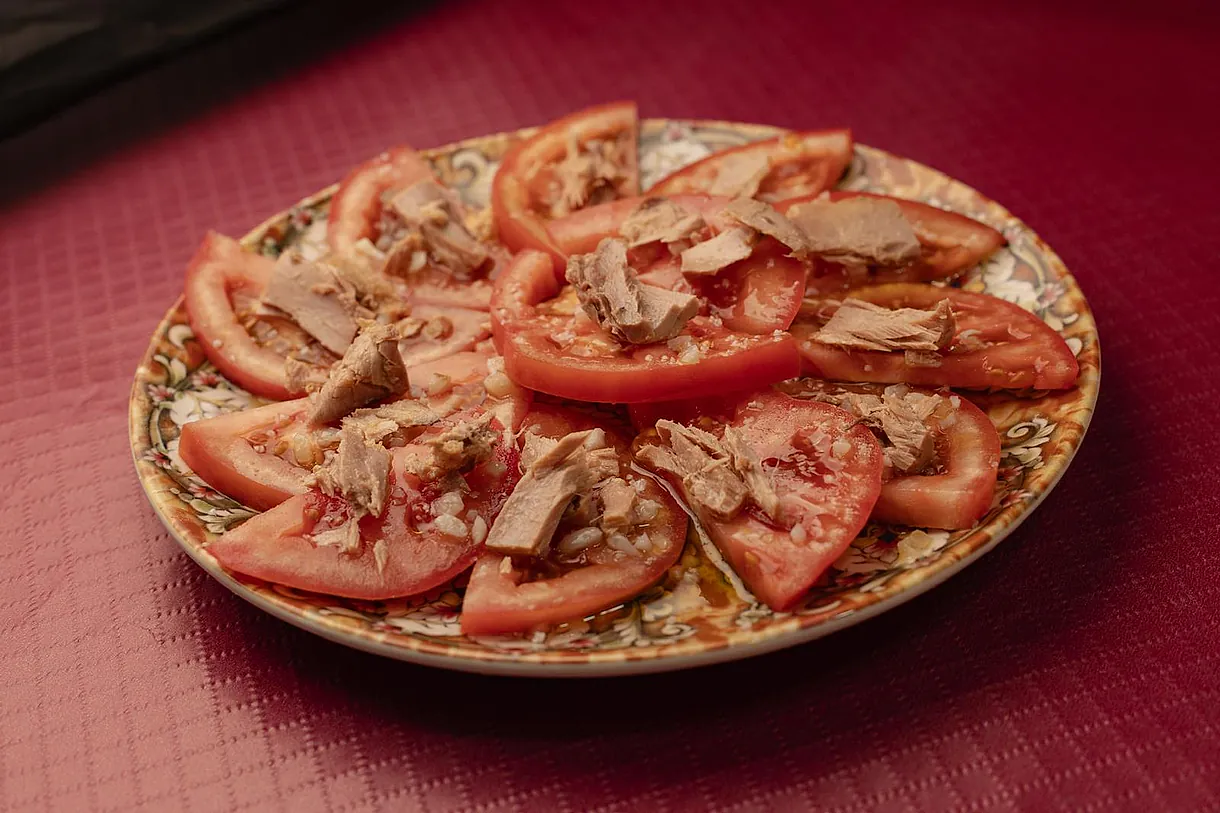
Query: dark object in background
(54,52)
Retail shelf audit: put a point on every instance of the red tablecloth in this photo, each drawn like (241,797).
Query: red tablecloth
(1074,668)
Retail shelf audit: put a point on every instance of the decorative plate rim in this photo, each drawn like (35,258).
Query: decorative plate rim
(683,654)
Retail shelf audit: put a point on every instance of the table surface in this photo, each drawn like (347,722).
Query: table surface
(1073,668)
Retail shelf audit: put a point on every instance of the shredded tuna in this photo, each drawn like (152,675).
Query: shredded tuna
(618,500)
(462,447)
(612,295)
(921,358)
(902,417)
(361,273)
(532,512)
(434,213)
(763,217)
(711,256)
(862,325)
(359,473)
(740,175)
(659,220)
(345,537)
(717,475)
(370,370)
(301,376)
(586,175)
(857,231)
(377,424)
(316,299)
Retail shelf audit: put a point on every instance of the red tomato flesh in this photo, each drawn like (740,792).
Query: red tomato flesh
(550,345)
(1018,349)
(801,164)
(826,470)
(526,594)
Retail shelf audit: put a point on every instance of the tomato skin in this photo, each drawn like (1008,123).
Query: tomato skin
(805,163)
(1042,360)
(216,449)
(963,493)
(356,205)
(519,226)
(532,361)
(496,603)
(274,546)
(220,268)
(777,568)
(952,243)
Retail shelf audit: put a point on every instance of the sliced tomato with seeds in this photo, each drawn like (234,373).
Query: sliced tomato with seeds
(523,191)
(550,345)
(951,244)
(261,457)
(516,594)
(825,469)
(223,284)
(356,208)
(401,553)
(805,163)
(251,455)
(998,345)
(958,487)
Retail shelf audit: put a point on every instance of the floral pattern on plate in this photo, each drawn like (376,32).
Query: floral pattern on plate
(701,612)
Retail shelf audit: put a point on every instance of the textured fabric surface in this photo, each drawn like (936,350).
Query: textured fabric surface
(1074,668)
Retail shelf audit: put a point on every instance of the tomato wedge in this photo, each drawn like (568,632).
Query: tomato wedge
(520,194)
(826,471)
(220,273)
(951,244)
(800,164)
(260,457)
(355,209)
(962,485)
(552,347)
(998,345)
(508,594)
(401,553)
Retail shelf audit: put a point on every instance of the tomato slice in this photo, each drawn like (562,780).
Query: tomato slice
(401,553)
(1018,350)
(825,491)
(951,244)
(550,346)
(236,453)
(581,231)
(800,164)
(220,272)
(518,595)
(960,488)
(517,196)
(260,457)
(355,209)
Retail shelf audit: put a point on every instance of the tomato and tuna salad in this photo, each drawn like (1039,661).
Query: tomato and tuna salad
(539,401)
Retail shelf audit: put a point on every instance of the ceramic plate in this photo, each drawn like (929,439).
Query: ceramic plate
(701,613)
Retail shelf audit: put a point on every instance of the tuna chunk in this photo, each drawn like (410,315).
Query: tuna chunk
(316,300)
(659,220)
(861,325)
(301,376)
(370,370)
(763,217)
(857,231)
(747,465)
(549,486)
(612,295)
(711,256)
(618,500)
(462,447)
(740,175)
(394,419)
(434,212)
(588,174)
(901,418)
(359,473)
